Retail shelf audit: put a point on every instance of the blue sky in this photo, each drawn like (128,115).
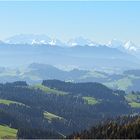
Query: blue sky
(99,21)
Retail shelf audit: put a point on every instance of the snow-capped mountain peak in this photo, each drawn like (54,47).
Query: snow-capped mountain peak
(130,46)
(127,46)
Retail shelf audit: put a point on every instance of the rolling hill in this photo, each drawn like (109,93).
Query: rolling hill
(56,108)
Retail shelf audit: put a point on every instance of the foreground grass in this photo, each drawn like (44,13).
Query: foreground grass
(90,100)
(7,132)
(49,90)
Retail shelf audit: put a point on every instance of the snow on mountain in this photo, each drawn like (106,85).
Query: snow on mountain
(33,39)
(52,42)
(130,46)
(43,39)
(127,46)
(81,42)
(28,39)
(115,43)
(38,42)
(56,42)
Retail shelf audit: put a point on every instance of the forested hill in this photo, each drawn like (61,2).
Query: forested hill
(120,128)
(96,90)
(55,109)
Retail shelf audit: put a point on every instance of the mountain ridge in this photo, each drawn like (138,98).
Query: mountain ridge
(128,46)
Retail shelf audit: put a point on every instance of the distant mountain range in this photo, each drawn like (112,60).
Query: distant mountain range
(82,56)
(79,41)
(44,39)
(99,57)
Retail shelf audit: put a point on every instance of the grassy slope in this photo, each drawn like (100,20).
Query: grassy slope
(133,100)
(93,74)
(7,132)
(51,116)
(49,90)
(122,84)
(7,102)
(90,100)
(134,105)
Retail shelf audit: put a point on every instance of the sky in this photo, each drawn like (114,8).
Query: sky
(98,21)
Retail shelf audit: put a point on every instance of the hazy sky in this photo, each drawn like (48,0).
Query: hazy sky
(99,21)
